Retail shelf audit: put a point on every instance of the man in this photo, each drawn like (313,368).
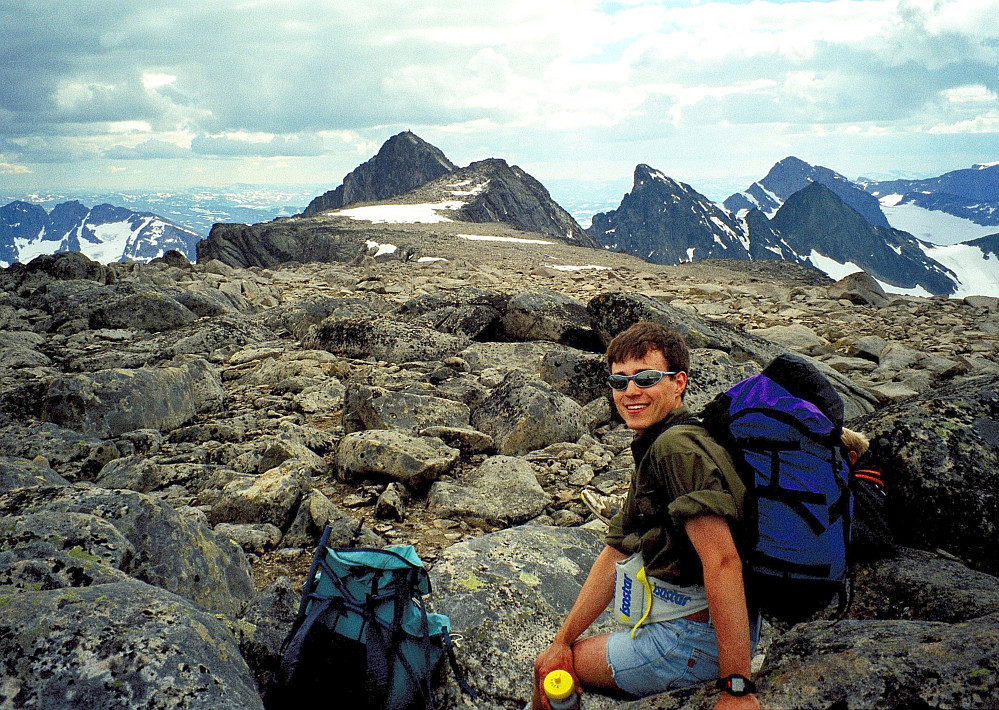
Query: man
(684,499)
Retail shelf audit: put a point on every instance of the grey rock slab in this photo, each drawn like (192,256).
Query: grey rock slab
(383,339)
(576,374)
(252,537)
(507,593)
(859,288)
(378,408)
(613,313)
(120,645)
(179,553)
(19,473)
(923,586)
(523,415)
(111,402)
(270,497)
(796,337)
(389,454)
(939,452)
(551,316)
(883,664)
(502,490)
(147,310)
(525,357)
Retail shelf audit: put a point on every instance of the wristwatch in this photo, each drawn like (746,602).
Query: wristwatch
(736,685)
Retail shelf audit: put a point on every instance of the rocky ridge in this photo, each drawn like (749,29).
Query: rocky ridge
(174,437)
(403,162)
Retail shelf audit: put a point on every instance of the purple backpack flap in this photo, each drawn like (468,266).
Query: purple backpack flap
(798,504)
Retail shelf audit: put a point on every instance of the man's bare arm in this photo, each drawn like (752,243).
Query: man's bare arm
(712,539)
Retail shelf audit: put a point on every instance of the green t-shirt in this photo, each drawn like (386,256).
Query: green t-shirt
(680,473)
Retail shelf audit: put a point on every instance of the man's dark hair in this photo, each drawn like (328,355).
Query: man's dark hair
(643,336)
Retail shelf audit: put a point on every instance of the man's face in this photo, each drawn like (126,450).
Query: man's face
(643,407)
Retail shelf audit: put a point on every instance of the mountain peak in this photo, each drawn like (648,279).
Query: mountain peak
(790,175)
(667,222)
(405,161)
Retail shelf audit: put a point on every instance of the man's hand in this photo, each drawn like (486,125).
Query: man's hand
(731,702)
(558,656)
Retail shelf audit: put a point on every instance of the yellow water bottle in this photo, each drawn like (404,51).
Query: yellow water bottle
(561,691)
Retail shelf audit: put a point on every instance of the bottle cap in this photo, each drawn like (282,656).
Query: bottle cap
(558,685)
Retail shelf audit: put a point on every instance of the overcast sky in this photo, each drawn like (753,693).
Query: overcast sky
(131,95)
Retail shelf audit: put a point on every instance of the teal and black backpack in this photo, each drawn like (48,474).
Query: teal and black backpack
(363,634)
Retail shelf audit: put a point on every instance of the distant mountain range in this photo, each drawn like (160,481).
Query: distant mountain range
(669,223)
(104,233)
(798,212)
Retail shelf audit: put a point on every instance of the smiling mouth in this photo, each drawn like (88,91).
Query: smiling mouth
(635,407)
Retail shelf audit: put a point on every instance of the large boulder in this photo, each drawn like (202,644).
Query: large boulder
(549,316)
(471,312)
(501,491)
(883,664)
(112,402)
(613,313)
(940,456)
(576,374)
(382,339)
(414,460)
(124,644)
(148,310)
(270,497)
(507,593)
(378,408)
(522,415)
(150,541)
(18,473)
(860,288)
(922,586)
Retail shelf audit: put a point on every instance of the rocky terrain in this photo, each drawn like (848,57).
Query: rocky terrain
(174,436)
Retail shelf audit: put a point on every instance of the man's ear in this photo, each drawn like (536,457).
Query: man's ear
(681,382)
(852,456)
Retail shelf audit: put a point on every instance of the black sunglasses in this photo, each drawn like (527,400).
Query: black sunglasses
(645,378)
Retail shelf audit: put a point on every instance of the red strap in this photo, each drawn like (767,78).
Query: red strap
(874,478)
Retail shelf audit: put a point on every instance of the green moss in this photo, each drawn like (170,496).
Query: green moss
(70,597)
(78,553)
(5,601)
(980,673)
(471,583)
(529,579)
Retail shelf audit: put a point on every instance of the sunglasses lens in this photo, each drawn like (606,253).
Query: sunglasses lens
(648,378)
(618,382)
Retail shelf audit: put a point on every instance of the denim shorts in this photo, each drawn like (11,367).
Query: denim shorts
(667,655)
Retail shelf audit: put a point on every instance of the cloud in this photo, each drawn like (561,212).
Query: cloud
(281,78)
(14,169)
(255,146)
(150,149)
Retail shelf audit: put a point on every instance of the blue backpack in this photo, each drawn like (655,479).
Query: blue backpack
(782,428)
(363,633)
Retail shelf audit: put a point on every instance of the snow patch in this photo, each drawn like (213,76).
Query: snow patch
(977,276)
(380,248)
(425,213)
(934,226)
(429,259)
(836,271)
(890,200)
(565,267)
(487,238)
(690,254)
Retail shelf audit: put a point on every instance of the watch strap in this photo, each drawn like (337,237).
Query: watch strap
(737,685)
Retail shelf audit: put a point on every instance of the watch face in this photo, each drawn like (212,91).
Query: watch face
(737,685)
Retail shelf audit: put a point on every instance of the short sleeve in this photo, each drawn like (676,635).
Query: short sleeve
(700,477)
